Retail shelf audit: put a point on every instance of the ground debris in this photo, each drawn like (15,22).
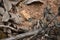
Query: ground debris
(25,15)
(7,5)
(5,17)
(32,1)
(1,11)
(29,19)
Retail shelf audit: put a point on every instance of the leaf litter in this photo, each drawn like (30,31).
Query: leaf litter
(21,21)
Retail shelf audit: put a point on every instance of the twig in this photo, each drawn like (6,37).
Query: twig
(24,35)
(8,27)
(52,19)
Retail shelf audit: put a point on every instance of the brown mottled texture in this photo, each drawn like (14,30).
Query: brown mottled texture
(36,10)
(53,5)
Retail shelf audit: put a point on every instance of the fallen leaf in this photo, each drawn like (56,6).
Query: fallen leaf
(1,11)
(15,2)
(31,1)
(7,5)
(5,17)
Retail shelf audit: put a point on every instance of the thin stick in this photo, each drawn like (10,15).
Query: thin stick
(8,27)
(24,35)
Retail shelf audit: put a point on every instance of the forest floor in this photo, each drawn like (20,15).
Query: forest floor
(37,20)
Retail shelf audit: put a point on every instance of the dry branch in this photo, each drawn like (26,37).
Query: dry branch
(3,26)
(24,35)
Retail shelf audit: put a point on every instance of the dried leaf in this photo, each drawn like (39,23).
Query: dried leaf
(14,2)
(5,17)
(31,1)
(1,11)
(7,5)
